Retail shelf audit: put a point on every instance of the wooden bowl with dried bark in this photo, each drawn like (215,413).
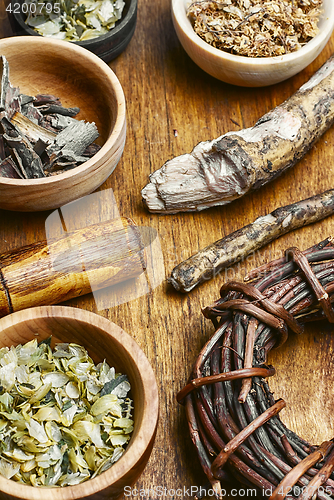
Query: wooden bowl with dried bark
(249,71)
(103,340)
(39,65)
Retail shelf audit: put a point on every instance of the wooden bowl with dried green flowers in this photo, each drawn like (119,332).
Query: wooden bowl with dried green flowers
(246,43)
(63,123)
(79,406)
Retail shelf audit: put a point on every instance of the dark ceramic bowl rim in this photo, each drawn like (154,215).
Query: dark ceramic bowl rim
(86,43)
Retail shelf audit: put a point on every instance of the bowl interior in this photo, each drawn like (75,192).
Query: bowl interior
(103,340)
(37,68)
(326,25)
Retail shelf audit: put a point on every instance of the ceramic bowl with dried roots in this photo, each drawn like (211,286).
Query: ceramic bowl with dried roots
(249,71)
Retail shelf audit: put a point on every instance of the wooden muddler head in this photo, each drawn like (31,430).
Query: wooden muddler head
(87,259)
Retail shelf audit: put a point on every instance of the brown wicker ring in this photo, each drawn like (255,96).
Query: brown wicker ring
(232,415)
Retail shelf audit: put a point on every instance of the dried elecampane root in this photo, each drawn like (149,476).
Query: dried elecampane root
(235,247)
(63,419)
(219,171)
(256,28)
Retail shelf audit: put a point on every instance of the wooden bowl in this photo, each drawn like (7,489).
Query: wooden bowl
(103,340)
(249,71)
(79,78)
(107,46)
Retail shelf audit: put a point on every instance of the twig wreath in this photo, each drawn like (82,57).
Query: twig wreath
(232,415)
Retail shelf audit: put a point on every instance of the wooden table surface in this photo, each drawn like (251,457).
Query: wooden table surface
(171,106)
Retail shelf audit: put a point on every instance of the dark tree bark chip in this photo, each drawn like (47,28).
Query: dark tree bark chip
(38,136)
(9,170)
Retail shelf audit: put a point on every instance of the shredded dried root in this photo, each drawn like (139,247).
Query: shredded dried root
(256,28)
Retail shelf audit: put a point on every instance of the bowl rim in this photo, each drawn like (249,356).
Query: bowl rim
(114,31)
(327,25)
(86,43)
(97,65)
(145,432)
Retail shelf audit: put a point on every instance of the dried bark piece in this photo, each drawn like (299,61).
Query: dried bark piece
(4,82)
(10,130)
(9,170)
(8,127)
(28,161)
(41,99)
(32,113)
(40,147)
(64,160)
(91,150)
(26,99)
(219,171)
(234,247)
(47,122)
(31,162)
(2,149)
(10,96)
(54,108)
(75,138)
(57,122)
(18,162)
(31,130)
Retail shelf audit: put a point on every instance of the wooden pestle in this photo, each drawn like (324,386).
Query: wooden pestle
(87,259)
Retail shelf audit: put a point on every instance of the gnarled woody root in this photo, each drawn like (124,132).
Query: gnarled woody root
(236,246)
(219,171)
(232,415)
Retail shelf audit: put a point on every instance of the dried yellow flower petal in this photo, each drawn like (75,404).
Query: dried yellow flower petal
(103,404)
